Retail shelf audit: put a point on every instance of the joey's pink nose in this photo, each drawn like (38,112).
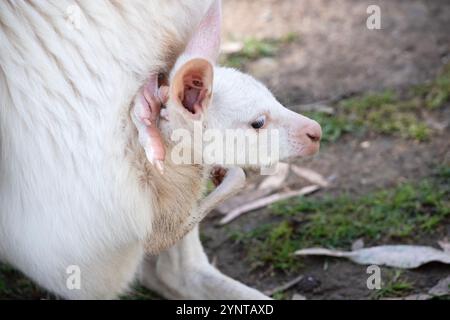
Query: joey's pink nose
(312,131)
(304,135)
(308,136)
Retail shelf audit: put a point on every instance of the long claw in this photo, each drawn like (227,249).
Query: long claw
(160,166)
(149,155)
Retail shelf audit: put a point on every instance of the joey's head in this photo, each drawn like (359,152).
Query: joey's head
(241,122)
(237,119)
(240,102)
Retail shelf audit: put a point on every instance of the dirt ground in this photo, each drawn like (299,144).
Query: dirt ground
(335,53)
(336,56)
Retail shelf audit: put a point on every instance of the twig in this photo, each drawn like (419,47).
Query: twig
(266,187)
(263,202)
(284,287)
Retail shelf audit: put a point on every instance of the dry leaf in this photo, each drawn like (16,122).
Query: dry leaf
(442,288)
(310,175)
(263,202)
(365,144)
(231,47)
(418,296)
(399,256)
(358,244)
(444,244)
(439,290)
(298,296)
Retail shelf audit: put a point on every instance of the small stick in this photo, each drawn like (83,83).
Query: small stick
(284,287)
(263,202)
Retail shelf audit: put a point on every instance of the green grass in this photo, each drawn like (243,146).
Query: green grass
(333,126)
(396,214)
(404,212)
(280,296)
(209,187)
(438,93)
(386,113)
(395,286)
(370,101)
(254,49)
(13,285)
(381,113)
(270,245)
(139,292)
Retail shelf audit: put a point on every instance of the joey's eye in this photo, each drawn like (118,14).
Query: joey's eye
(259,123)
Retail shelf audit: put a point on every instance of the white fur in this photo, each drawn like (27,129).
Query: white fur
(75,188)
(67,195)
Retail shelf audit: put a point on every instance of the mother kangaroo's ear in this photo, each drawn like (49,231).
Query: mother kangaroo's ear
(191,78)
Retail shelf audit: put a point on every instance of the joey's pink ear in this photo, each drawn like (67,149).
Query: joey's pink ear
(192,76)
(191,86)
(205,42)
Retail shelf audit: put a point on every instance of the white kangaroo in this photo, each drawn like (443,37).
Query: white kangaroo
(76,188)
